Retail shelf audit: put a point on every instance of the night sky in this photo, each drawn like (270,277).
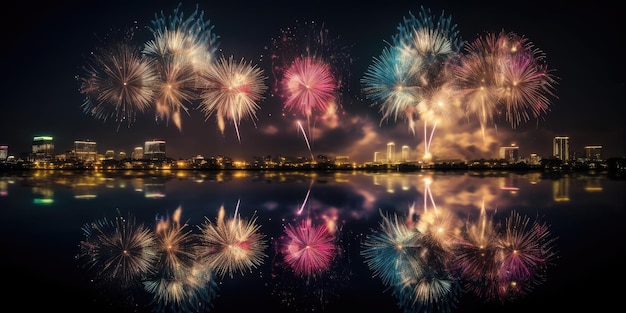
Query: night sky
(45,47)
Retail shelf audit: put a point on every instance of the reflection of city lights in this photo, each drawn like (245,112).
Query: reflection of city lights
(560,190)
(592,185)
(44,201)
(85,196)
(509,184)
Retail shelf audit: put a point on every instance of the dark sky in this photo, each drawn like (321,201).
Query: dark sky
(45,45)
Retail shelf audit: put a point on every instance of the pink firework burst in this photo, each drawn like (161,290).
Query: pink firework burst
(309,249)
(309,86)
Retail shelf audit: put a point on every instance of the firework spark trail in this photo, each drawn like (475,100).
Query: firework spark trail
(118,83)
(231,245)
(306,198)
(231,90)
(306,139)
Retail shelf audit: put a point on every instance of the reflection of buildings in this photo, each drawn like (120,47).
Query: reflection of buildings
(154,150)
(592,184)
(43,149)
(560,190)
(560,148)
(154,190)
(4,188)
(509,183)
(46,195)
(84,190)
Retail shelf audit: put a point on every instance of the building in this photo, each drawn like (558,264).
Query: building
(154,150)
(405,153)
(391,151)
(593,153)
(43,149)
(85,150)
(560,148)
(534,159)
(342,160)
(137,153)
(4,153)
(510,153)
(377,157)
(109,155)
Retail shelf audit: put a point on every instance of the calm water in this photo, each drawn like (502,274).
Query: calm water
(568,230)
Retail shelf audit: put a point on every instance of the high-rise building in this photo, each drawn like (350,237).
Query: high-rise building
(510,153)
(4,153)
(137,153)
(405,153)
(85,150)
(377,157)
(534,159)
(109,155)
(43,148)
(561,148)
(391,151)
(593,152)
(154,149)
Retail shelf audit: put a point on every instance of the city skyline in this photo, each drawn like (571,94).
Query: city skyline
(43,148)
(44,97)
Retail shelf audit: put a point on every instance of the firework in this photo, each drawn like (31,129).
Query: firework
(118,83)
(120,252)
(231,245)
(175,88)
(527,249)
(193,290)
(231,90)
(503,73)
(181,47)
(177,251)
(191,39)
(503,263)
(309,85)
(391,85)
(476,256)
(310,70)
(391,251)
(309,249)
(435,291)
(412,74)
